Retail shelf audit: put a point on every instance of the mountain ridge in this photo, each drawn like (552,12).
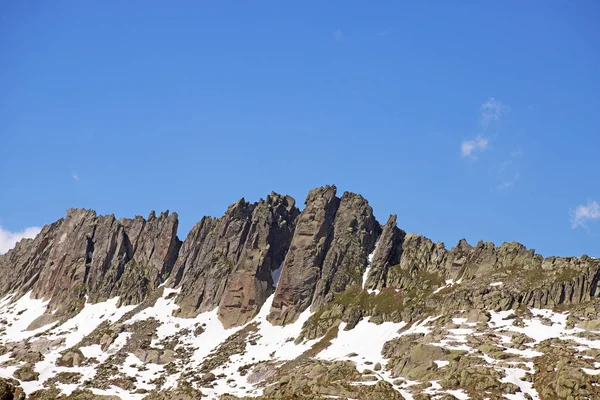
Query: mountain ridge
(269,267)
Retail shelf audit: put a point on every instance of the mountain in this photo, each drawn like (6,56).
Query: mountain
(271,302)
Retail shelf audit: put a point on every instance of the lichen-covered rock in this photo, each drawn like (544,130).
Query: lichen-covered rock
(26,373)
(10,390)
(181,393)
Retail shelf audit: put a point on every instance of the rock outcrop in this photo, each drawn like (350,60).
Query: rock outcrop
(428,321)
(355,231)
(255,275)
(94,256)
(10,390)
(234,263)
(387,253)
(230,261)
(303,263)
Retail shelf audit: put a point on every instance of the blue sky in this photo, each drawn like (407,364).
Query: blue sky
(479,120)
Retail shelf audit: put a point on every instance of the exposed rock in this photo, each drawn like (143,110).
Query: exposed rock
(71,359)
(267,242)
(449,299)
(26,374)
(355,231)
(181,393)
(10,390)
(304,260)
(387,253)
(100,257)
(54,394)
(249,242)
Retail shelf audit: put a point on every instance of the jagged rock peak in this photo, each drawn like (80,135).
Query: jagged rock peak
(355,231)
(95,256)
(304,260)
(386,254)
(328,252)
(228,261)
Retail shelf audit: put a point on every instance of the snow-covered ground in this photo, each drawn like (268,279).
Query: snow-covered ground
(361,345)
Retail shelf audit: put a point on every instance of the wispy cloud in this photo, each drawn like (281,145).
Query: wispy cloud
(492,110)
(469,147)
(75,176)
(338,36)
(508,183)
(9,239)
(507,170)
(518,152)
(584,214)
(385,32)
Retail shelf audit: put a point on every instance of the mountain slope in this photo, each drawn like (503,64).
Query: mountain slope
(271,302)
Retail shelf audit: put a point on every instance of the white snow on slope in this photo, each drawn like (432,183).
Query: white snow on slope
(271,343)
(19,315)
(449,283)
(515,375)
(369,261)
(366,340)
(275,343)
(72,331)
(275,275)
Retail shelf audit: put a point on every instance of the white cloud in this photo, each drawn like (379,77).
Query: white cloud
(9,239)
(75,176)
(492,110)
(585,213)
(468,147)
(508,183)
(518,152)
(338,36)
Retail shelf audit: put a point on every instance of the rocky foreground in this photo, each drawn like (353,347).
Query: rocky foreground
(270,302)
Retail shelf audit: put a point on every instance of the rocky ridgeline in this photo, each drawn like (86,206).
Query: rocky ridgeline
(231,263)
(429,322)
(98,257)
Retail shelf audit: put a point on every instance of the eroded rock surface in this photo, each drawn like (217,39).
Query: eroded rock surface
(95,256)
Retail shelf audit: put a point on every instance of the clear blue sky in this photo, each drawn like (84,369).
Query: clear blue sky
(479,120)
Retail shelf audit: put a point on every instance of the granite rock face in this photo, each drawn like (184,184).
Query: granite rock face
(234,263)
(303,263)
(387,253)
(355,231)
(328,253)
(98,257)
(466,318)
(255,275)
(230,262)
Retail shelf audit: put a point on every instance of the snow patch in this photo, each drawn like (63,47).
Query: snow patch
(276,274)
(369,261)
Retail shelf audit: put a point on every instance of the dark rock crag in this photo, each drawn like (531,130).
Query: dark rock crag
(232,263)
(95,256)
(229,262)
(302,265)
(328,252)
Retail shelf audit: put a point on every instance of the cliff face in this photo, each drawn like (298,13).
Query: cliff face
(306,259)
(303,263)
(391,311)
(98,257)
(230,262)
